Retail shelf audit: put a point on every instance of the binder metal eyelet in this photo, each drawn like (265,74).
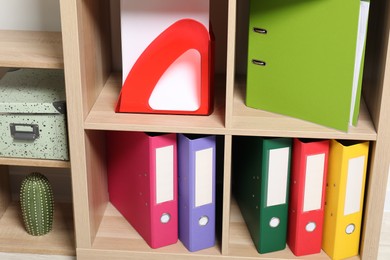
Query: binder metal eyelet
(350,229)
(260,30)
(203,221)
(259,62)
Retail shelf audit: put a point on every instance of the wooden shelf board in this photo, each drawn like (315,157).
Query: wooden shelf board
(103,117)
(31,49)
(34,162)
(116,234)
(249,121)
(241,243)
(15,239)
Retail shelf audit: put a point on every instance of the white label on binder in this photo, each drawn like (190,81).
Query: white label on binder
(354,187)
(313,182)
(277,176)
(164,174)
(203,177)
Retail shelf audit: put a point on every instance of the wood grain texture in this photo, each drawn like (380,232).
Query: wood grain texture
(230,60)
(250,121)
(226,201)
(30,49)
(34,162)
(20,256)
(103,117)
(116,234)
(377,90)
(60,241)
(74,69)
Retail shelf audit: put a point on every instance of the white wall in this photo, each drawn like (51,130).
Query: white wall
(41,15)
(387,201)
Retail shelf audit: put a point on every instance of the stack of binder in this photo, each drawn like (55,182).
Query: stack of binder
(305,59)
(305,193)
(164,185)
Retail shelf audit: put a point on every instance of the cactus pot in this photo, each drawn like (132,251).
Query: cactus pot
(37,204)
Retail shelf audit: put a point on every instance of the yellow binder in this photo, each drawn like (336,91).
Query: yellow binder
(344,198)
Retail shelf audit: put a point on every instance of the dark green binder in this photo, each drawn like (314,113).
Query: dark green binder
(261,171)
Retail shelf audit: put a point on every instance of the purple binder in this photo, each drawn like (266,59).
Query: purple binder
(196,171)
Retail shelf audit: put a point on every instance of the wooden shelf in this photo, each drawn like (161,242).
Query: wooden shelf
(60,241)
(249,121)
(30,49)
(34,162)
(103,117)
(117,236)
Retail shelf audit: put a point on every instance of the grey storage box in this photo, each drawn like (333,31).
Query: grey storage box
(33,114)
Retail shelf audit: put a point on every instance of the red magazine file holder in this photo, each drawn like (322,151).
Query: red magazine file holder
(181,36)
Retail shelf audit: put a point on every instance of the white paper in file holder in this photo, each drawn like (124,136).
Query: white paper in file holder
(203,177)
(164,174)
(314,178)
(168,95)
(277,176)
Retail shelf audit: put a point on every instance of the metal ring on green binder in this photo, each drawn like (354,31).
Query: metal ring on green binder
(260,30)
(259,62)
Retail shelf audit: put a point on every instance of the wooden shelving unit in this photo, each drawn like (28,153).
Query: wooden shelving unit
(84,49)
(32,49)
(93,88)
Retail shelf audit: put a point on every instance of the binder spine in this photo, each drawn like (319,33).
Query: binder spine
(307,196)
(197,155)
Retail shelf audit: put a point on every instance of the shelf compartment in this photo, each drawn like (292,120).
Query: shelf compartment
(34,162)
(103,117)
(241,243)
(59,241)
(111,233)
(31,49)
(250,121)
(115,234)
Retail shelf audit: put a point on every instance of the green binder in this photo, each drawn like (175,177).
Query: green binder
(261,171)
(302,56)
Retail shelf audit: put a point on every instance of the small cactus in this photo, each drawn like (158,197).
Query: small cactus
(37,204)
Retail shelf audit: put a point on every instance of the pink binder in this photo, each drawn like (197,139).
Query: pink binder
(142,183)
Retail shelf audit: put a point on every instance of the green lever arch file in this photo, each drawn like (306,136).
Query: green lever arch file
(305,59)
(261,171)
